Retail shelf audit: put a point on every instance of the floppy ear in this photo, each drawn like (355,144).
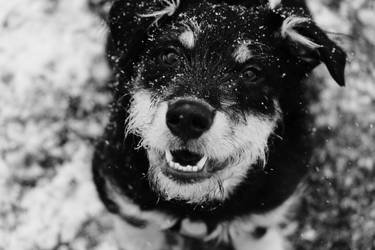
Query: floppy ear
(310,44)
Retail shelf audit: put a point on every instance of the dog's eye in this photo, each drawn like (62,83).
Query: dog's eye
(169,58)
(251,74)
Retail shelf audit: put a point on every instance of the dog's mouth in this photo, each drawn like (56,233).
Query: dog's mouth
(185,161)
(187,166)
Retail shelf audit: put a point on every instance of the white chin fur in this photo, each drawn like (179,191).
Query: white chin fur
(243,143)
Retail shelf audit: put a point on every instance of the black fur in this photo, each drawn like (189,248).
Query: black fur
(118,160)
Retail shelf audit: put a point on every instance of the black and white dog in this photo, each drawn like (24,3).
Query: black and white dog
(210,130)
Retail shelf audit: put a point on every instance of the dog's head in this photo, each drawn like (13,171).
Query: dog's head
(205,80)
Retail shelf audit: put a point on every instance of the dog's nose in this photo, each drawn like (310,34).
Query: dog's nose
(189,119)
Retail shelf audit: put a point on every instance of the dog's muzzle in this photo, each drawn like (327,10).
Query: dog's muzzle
(188,120)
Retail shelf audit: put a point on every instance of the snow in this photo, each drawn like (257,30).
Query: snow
(54,104)
(52,108)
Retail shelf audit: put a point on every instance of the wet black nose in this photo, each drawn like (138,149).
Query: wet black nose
(189,119)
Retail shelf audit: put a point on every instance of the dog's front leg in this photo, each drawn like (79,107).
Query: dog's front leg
(269,231)
(133,235)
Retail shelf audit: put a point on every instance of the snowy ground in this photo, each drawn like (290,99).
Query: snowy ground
(53,105)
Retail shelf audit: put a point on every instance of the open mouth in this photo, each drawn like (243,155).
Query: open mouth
(188,167)
(185,161)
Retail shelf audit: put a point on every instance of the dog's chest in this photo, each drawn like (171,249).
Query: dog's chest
(170,233)
(248,231)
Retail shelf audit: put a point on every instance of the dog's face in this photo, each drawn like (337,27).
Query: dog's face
(205,96)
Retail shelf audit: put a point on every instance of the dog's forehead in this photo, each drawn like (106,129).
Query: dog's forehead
(232,25)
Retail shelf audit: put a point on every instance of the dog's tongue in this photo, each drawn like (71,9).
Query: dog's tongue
(185,157)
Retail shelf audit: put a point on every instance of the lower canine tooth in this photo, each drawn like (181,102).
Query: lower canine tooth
(168,156)
(201,163)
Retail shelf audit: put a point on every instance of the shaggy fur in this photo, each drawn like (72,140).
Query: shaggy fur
(242,64)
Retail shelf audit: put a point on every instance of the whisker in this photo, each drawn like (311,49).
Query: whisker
(221,187)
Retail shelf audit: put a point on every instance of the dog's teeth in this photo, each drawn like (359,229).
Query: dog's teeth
(188,168)
(176,165)
(168,156)
(201,163)
(195,169)
(181,168)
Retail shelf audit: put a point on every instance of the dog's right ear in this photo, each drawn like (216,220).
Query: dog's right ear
(301,38)
(304,39)
(310,43)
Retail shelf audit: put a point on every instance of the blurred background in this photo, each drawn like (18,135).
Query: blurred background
(54,104)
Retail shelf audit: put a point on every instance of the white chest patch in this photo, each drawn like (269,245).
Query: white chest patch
(194,229)
(241,232)
(128,208)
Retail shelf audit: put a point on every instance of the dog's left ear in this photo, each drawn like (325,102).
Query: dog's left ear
(305,40)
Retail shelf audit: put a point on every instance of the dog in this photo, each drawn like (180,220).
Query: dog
(210,132)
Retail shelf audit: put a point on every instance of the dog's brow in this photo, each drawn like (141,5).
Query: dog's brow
(242,53)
